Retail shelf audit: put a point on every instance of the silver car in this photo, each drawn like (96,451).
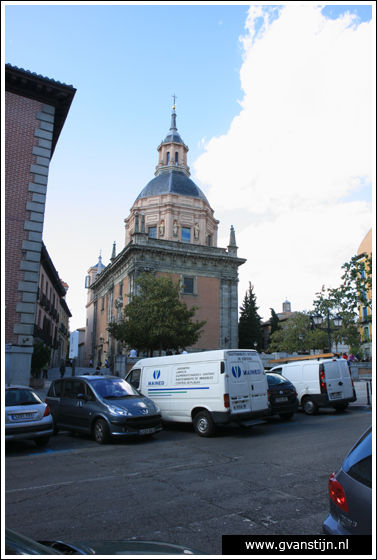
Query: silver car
(350,492)
(26,415)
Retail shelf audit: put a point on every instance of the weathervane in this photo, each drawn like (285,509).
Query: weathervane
(174,97)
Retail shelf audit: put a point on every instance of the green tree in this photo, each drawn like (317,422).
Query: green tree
(287,339)
(41,355)
(249,326)
(155,318)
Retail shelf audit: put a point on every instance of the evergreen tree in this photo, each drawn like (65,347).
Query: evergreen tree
(249,326)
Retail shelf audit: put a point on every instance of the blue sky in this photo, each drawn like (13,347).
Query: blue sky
(273,102)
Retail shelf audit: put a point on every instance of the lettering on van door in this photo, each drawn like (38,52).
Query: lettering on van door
(194,375)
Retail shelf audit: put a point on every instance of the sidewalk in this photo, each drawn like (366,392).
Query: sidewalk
(362,386)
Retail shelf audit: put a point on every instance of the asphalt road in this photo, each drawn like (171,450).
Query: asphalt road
(270,479)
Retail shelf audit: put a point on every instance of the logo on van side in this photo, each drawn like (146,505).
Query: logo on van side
(236,370)
(156,375)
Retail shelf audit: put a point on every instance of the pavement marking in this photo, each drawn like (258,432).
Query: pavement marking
(61,484)
(48,450)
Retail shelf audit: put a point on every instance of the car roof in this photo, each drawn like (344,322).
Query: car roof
(19,387)
(89,377)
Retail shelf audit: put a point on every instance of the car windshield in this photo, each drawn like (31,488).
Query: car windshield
(18,397)
(276,379)
(113,388)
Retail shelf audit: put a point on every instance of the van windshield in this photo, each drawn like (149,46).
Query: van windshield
(113,388)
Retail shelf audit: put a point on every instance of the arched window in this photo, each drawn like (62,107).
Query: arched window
(176,158)
(167,157)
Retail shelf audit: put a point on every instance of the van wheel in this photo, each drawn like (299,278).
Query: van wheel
(203,424)
(101,431)
(310,407)
(286,415)
(341,407)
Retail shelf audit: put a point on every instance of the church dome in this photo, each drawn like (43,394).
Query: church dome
(172,181)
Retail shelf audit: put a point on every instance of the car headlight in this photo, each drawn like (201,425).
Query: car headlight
(119,411)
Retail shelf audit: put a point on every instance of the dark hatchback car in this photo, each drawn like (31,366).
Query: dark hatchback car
(102,406)
(282,395)
(350,492)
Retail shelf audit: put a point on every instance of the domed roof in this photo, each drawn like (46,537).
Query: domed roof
(174,182)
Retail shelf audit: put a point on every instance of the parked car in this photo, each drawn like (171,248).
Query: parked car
(16,544)
(282,395)
(26,416)
(320,383)
(350,492)
(103,406)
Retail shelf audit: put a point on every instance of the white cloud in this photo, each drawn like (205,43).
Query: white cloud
(301,144)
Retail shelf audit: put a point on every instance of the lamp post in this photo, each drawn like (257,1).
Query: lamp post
(301,337)
(317,320)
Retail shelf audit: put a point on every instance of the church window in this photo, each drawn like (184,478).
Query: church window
(176,158)
(152,232)
(186,235)
(167,157)
(121,289)
(188,285)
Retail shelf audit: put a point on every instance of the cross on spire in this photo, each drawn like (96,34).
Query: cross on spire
(174,97)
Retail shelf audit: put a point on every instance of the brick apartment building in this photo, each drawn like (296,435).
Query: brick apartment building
(35,111)
(171,230)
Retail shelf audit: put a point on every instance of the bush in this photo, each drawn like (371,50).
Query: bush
(41,355)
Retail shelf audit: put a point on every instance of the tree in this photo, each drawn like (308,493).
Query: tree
(249,326)
(155,318)
(41,355)
(287,339)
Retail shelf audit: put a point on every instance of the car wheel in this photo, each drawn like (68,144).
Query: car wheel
(101,431)
(286,415)
(42,441)
(341,407)
(310,407)
(55,426)
(203,424)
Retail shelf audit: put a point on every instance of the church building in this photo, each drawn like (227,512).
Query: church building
(172,230)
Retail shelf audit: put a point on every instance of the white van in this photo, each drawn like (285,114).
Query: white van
(320,383)
(205,388)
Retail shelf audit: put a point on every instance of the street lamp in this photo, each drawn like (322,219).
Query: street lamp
(317,320)
(301,337)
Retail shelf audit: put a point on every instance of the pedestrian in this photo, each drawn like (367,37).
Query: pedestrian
(169,353)
(71,362)
(106,363)
(62,370)
(45,370)
(90,363)
(133,353)
(352,358)
(184,351)
(345,357)
(98,371)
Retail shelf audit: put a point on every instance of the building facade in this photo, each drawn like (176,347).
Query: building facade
(35,111)
(172,230)
(52,313)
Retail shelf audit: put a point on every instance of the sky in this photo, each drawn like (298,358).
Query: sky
(276,105)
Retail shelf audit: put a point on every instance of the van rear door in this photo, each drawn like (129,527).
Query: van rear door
(338,380)
(247,383)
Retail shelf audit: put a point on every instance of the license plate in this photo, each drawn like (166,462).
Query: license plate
(239,406)
(147,431)
(22,416)
(281,399)
(335,395)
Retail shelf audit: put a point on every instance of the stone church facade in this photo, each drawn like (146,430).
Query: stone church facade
(172,230)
